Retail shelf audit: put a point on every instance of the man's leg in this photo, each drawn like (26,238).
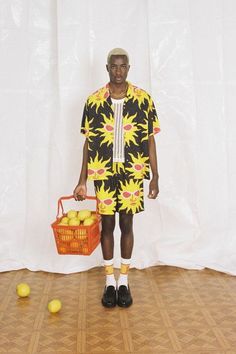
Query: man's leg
(107,243)
(127,236)
(107,238)
(130,196)
(126,242)
(105,193)
(126,245)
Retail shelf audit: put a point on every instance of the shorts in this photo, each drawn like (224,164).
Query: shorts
(119,193)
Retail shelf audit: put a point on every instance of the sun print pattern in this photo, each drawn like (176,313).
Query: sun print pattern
(130,196)
(106,200)
(97,169)
(138,166)
(98,98)
(139,122)
(107,130)
(130,129)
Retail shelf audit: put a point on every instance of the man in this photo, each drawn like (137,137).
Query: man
(119,123)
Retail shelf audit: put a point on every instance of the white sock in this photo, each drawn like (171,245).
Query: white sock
(110,278)
(123,278)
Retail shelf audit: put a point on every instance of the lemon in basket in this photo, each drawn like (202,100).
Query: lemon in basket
(94,216)
(54,306)
(89,221)
(74,222)
(72,214)
(23,290)
(84,214)
(63,224)
(64,220)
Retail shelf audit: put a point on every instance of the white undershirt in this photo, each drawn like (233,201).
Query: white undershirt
(118,145)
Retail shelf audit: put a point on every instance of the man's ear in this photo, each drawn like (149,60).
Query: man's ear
(107,67)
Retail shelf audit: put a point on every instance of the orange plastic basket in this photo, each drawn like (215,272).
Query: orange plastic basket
(76,239)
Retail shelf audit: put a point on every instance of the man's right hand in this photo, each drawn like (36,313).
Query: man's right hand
(80,192)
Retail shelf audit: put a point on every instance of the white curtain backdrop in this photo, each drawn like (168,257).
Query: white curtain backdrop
(52,56)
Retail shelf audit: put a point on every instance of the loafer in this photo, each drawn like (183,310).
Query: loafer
(109,296)
(124,296)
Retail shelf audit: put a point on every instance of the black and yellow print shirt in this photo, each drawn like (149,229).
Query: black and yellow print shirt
(139,122)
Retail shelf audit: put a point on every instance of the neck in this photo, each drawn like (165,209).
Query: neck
(118,91)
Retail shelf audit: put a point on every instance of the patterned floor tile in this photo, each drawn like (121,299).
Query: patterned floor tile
(174,311)
(195,339)
(151,340)
(106,341)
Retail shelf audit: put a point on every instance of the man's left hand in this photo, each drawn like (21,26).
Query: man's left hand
(153,188)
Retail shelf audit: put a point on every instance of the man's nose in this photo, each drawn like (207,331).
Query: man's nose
(118,69)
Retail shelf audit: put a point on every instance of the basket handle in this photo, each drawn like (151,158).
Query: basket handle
(60,205)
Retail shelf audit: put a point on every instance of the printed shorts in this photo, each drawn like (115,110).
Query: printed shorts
(119,194)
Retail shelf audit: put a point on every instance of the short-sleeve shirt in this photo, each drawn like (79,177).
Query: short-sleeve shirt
(140,120)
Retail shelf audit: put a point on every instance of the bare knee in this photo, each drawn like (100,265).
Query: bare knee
(126,223)
(108,225)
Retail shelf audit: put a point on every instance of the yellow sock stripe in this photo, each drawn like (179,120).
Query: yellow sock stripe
(124,268)
(109,270)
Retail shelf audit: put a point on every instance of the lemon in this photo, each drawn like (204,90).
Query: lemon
(84,214)
(72,214)
(23,290)
(54,306)
(64,220)
(94,216)
(74,222)
(89,221)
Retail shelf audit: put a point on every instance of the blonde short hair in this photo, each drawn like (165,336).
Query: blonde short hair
(117,51)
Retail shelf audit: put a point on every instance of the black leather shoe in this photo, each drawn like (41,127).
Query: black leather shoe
(124,296)
(109,296)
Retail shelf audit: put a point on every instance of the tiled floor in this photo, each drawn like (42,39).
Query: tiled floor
(174,311)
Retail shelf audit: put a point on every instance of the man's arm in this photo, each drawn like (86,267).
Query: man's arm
(153,185)
(80,190)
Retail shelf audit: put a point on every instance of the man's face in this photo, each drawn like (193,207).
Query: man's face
(118,69)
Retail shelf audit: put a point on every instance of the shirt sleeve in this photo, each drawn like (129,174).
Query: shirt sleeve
(153,121)
(85,122)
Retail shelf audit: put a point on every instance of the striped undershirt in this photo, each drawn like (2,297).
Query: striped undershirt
(118,146)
